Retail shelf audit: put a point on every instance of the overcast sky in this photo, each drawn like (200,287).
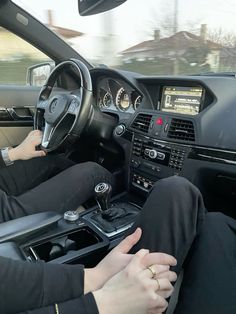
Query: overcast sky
(133,20)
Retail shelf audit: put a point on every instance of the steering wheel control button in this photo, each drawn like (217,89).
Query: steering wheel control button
(71,215)
(120,129)
(73,106)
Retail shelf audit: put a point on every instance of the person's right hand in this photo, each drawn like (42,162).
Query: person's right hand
(118,259)
(133,290)
(27,149)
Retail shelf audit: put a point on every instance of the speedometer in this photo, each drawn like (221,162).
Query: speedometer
(122,99)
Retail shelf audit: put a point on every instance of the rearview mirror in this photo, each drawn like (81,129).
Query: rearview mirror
(90,7)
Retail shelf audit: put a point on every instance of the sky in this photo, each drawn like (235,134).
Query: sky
(134,20)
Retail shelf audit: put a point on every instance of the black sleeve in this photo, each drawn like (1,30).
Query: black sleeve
(25,285)
(86,304)
(2,163)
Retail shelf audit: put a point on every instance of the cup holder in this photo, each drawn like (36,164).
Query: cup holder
(60,246)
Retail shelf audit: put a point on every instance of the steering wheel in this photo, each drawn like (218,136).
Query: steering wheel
(63,114)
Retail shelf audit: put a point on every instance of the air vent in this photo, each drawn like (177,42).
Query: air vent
(181,130)
(142,122)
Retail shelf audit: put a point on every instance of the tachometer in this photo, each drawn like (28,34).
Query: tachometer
(122,99)
(106,101)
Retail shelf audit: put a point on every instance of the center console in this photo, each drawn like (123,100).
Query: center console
(152,160)
(75,238)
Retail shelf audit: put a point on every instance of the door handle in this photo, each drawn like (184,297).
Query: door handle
(20,114)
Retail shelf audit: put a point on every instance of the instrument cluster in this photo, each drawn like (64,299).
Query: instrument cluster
(116,95)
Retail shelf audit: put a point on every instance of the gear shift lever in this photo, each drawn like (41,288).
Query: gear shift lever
(114,216)
(103,195)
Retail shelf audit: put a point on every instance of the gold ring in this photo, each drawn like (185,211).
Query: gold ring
(158,283)
(152,271)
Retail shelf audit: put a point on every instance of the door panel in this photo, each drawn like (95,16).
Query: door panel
(10,136)
(17,104)
(17,99)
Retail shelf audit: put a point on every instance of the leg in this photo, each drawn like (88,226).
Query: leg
(24,175)
(171,218)
(65,191)
(210,272)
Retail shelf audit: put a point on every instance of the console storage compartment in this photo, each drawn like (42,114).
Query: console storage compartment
(68,247)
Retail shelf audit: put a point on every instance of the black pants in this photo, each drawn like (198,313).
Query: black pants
(51,183)
(174,221)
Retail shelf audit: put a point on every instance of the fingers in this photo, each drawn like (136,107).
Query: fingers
(157,269)
(39,153)
(170,275)
(158,304)
(161,285)
(159,258)
(164,287)
(126,245)
(157,290)
(35,132)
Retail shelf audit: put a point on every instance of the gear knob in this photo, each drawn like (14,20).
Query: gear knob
(103,194)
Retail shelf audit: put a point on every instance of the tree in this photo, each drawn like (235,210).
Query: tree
(219,36)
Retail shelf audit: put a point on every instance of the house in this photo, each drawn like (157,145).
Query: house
(183,45)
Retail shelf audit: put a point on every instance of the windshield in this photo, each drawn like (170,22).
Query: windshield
(153,37)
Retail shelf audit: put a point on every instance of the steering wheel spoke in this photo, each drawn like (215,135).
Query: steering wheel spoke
(42,104)
(47,134)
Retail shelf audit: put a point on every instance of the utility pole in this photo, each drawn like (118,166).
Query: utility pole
(176,15)
(175,30)
(108,48)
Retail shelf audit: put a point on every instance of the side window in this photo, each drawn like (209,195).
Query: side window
(17,57)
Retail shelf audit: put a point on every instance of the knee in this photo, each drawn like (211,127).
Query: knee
(96,169)
(99,173)
(215,221)
(174,184)
(93,166)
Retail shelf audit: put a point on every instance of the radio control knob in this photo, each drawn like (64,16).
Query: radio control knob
(152,153)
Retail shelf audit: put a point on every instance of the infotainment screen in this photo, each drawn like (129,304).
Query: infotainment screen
(185,100)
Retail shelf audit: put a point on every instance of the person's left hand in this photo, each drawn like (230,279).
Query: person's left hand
(118,259)
(27,149)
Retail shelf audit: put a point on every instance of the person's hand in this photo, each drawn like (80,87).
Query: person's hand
(118,259)
(134,290)
(112,263)
(27,149)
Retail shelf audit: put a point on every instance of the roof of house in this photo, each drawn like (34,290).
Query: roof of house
(65,32)
(180,40)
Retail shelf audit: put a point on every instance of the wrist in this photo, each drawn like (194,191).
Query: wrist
(6,156)
(92,280)
(12,152)
(104,304)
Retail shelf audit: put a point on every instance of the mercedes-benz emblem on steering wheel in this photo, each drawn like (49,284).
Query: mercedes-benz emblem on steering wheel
(53,106)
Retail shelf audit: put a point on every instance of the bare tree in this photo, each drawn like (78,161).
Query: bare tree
(161,21)
(219,36)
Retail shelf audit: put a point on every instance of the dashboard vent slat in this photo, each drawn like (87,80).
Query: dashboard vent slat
(142,122)
(181,130)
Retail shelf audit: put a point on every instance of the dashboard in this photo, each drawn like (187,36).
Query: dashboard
(174,125)
(196,110)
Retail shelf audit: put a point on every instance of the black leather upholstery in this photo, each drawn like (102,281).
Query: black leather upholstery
(22,228)
(11,250)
